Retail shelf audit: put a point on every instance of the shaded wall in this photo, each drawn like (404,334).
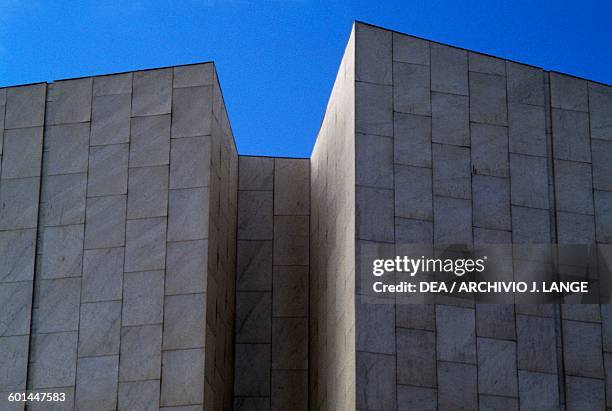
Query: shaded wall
(271,369)
(457,147)
(220,304)
(131,225)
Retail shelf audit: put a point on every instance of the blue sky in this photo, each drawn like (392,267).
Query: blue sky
(277,59)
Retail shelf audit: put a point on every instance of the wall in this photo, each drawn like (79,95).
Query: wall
(332,233)
(132,223)
(455,146)
(271,370)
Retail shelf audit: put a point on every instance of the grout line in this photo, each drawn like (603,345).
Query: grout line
(393,166)
(78,330)
(552,185)
(127,189)
(236,245)
(433,227)
(510,206)
(471,200)
(37,234)
(272,282)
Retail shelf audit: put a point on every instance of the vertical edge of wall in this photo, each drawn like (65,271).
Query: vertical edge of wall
(22,111)
(375,352)
(220,311)
(332,375)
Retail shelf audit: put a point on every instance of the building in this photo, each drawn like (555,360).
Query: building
(146,264)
